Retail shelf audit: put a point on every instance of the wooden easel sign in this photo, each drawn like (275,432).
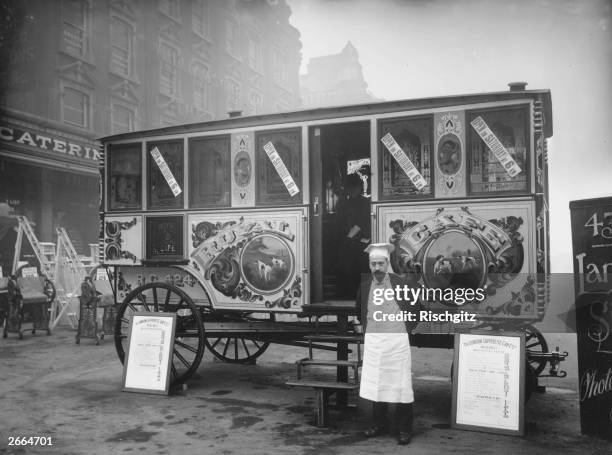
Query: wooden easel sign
(489,382)
(149,355)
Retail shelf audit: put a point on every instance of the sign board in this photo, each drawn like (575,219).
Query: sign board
(149,354)
(489,382)
(29,272)
(166,172)
(402,159)
(592,245)
(281,169)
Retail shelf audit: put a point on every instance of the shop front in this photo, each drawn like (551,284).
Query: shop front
(50,176)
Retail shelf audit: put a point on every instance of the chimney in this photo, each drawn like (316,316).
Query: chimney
(517,86)
(233,114)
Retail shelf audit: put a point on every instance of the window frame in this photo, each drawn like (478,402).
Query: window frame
(87,110)
(112,150)
(130,51)
(192,170)
(151,168)
(382,149)
(473,113)
(84,29)
(175,67)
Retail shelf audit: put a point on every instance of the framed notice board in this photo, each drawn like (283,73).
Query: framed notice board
(489,382)
(149,354)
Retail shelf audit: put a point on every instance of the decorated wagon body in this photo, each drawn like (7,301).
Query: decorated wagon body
(229,220)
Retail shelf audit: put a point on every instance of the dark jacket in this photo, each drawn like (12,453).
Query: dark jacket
(362,301)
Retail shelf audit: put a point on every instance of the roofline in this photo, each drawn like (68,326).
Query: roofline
(323,113)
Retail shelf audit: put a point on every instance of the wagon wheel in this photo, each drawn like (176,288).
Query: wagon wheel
(189,335)
(236,349)
(535,343)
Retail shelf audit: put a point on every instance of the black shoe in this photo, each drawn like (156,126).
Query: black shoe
(374,431)
(404,438)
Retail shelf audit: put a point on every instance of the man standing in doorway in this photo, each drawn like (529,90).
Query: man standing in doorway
(386,375)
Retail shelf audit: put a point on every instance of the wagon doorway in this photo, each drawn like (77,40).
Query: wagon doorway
(340,227)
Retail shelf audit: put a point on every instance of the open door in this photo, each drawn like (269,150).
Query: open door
(340,227)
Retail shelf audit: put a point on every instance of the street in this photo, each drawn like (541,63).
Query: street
(72,393)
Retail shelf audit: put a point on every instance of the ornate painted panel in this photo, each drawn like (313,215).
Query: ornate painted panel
(251,260)
(242,170)
(123,240)
(450,160)
(469,245)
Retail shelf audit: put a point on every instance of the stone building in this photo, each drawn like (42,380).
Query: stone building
(76,70)
(335,80)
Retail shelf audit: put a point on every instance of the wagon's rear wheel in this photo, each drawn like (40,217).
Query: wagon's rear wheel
(235,349)
(189,335)
(535,343)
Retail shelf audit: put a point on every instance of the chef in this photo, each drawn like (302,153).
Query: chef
(386,375)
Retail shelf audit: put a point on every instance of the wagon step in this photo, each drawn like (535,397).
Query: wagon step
(353,364)
(323,389)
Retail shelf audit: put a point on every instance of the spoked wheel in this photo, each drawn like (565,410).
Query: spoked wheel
(535,343)
(189,337)
(235,349)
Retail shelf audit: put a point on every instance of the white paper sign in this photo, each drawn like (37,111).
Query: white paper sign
(149,356)
(28,272)
(166,172)
(281,169)
(496,146)
(488,381)
(101,274)
(402,159)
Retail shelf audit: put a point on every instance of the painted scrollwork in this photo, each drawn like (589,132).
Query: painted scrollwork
(114,250)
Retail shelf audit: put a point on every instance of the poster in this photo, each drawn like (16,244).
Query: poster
(488,382)
(149,355)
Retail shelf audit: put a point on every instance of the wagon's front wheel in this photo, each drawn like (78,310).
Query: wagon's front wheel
(236,349)
(189,336)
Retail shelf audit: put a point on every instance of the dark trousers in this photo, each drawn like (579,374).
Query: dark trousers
(403,415)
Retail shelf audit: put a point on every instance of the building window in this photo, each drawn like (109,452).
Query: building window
(201,86)
(231,37)
(170,8)
(121,47)
(75,107)
(280,65)
(123,119)
(232,95)
(75,27)
(168,70)
(255,103)
(199,18)
(255,54)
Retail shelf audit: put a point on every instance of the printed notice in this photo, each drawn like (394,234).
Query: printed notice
(281,169)
(149,356)
(402,159)
(29,272)
(488,382)
(166,172)
(496,146)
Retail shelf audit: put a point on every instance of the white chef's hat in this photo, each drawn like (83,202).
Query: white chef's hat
(379,250)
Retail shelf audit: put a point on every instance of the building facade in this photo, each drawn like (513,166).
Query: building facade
(335,80)
(77,70)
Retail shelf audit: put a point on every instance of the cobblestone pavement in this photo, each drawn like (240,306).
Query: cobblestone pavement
(51,387)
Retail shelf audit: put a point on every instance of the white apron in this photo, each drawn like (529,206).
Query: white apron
(386,374)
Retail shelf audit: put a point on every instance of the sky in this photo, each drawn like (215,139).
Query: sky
(422,48)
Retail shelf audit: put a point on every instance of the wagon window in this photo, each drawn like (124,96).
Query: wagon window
(414,137)
(164,237)
(271,188)
(500,164)
(125,174)
(161,192)
(209,172)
